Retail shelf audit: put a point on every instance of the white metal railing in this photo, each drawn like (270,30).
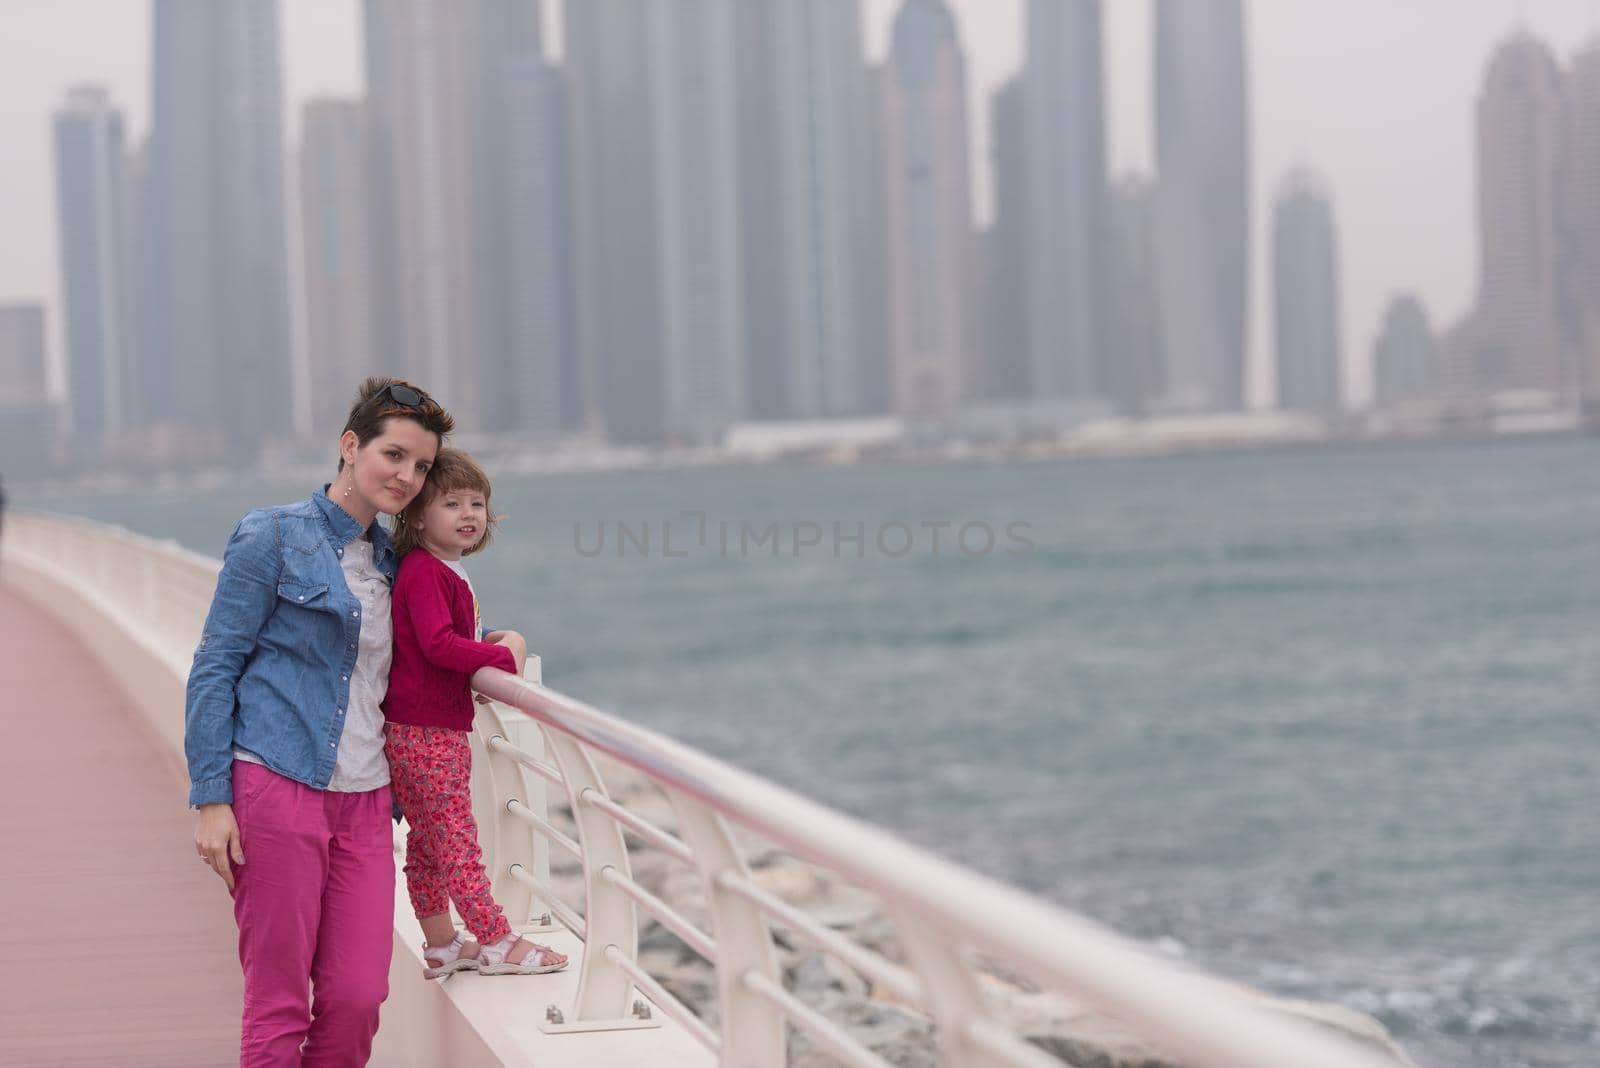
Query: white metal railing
(941,913)
(157,590)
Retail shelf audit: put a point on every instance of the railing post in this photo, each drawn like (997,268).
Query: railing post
(604,989)
(752,1027)
(497,780)
(954,996)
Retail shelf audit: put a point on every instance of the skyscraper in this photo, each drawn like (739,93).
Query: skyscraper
(802,118)
(29,421)
(614,209)
(91,201)
(1133,317)
(1305,296)
(216,356)
(1203,201)
(336,224)
(1582,188)
(872,243)
(699,250)
(1003,370)
(436,79)
(655,204)
(1066,193)
(538,386)
(758,44)
(22,353)
(1519,340)
(521,230)
(930,212)
(1403,354)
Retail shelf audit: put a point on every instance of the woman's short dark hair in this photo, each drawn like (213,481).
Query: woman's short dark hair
(376,404)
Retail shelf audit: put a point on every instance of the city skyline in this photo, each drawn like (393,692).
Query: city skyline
(1437,260)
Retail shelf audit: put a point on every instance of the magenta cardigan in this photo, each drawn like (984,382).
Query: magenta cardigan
(435,654)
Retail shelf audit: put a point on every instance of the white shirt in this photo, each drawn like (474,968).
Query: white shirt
(477,613)
(360,763)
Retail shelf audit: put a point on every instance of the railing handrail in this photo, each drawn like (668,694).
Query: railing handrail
(936,907)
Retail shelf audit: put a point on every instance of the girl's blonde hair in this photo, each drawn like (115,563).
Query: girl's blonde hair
(452,470)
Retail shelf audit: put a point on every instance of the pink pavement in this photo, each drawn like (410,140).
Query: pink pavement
(121,946)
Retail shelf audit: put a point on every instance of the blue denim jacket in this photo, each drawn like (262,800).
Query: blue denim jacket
(271,675)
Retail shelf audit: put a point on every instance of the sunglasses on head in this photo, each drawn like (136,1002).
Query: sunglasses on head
(402,395)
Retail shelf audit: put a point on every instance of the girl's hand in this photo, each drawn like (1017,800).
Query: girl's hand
(216,840)
(513,641)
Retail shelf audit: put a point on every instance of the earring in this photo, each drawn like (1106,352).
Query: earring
(349,483)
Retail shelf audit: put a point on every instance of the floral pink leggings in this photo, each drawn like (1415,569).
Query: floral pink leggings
(431,770)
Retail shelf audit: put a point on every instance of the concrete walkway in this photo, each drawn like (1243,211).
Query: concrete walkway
(119,946)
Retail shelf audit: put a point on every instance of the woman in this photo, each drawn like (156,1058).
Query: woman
(284,738)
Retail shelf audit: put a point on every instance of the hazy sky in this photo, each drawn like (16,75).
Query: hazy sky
(1378,95)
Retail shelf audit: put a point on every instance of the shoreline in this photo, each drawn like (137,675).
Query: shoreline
(519,459)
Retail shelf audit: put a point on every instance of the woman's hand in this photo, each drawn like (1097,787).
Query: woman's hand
(513,641)
(216,839)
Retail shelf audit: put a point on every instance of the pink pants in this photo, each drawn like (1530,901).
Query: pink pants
(314,901)
(432,772)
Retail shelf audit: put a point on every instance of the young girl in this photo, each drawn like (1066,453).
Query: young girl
(438,645)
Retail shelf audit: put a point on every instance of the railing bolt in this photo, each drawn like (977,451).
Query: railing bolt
(640,1009)
(553,1014)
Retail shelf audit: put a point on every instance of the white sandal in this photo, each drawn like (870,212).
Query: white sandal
(492,958)
(443,960)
